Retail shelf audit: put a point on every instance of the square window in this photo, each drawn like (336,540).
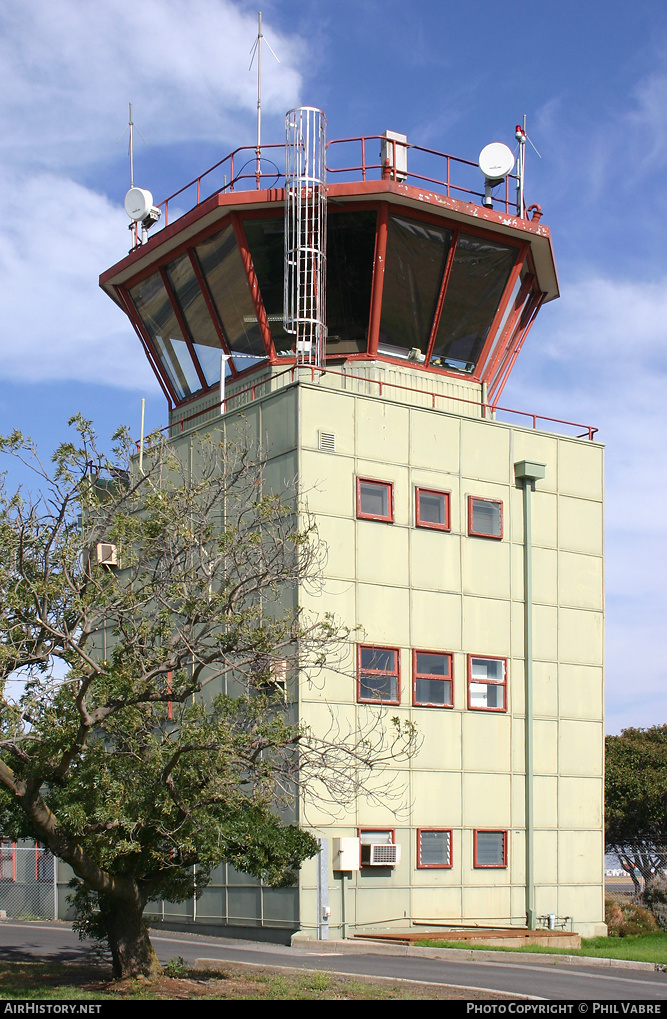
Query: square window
(434,847)
(487,684)
(489,848)
(378,677)
(485,517)
(432,509)
(432,679)
(375,500)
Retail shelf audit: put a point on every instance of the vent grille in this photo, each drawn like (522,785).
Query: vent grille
(383,854)
(328,442)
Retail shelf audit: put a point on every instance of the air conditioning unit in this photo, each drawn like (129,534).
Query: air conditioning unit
(380,854)
(107,554)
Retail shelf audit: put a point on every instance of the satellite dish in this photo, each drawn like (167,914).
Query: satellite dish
(495,161)
(138,203)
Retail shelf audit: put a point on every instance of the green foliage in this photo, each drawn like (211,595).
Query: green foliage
(636,799)
(654,898)
(152,731)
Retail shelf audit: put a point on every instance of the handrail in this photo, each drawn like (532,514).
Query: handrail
(588,430)
(388,171)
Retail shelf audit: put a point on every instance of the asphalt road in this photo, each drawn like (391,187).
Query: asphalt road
(56,942)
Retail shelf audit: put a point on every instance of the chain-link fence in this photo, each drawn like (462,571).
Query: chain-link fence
(28,882)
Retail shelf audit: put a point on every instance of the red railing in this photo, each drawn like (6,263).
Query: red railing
(389,170)
(487,409)
(235,177)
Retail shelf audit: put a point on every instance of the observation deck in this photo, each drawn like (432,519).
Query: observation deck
(421,276)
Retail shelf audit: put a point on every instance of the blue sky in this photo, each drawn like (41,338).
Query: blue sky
(592,80)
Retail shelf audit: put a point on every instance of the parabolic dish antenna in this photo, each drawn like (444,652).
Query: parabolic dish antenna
(138,203)
(495,161)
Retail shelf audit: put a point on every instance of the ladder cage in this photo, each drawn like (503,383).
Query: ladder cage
(304,306)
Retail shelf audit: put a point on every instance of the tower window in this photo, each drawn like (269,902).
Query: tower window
(432,679)
(487,681)
(434,847)
(489,848)
(375,500)
(485,517)
(432,509)
(378,675)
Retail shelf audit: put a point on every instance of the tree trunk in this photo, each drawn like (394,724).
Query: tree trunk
(131,949)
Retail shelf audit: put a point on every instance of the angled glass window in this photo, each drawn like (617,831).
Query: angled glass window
(222,268)
(485,517)
(480,272)
(434,847)
(487,683)
(416,256)
(432,679)
(350,251)
(197,316)
(266,241)
(377,675)
(157,314)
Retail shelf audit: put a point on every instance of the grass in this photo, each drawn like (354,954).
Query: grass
(636,948)
(31,981)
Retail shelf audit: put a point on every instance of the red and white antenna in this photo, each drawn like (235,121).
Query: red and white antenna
(522,138)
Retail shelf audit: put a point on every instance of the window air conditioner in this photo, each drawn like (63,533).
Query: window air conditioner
(380,854)
(107,554)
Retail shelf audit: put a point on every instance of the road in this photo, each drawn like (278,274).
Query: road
(48,941)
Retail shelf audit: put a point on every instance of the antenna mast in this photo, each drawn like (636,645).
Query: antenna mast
(257,48)
(131,125)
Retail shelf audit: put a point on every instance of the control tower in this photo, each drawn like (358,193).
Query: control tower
(361,303)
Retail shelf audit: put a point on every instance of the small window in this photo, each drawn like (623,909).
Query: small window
(432,679)
(490,848)
(7,861)
(487,684)
(434,847)
(432,509)
(374,837)
(485,517)
(378,678)
(375,500)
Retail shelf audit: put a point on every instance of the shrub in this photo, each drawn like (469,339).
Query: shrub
(654,898)
(624,919)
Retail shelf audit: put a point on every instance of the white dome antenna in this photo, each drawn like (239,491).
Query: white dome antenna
(139,207)
(496,161)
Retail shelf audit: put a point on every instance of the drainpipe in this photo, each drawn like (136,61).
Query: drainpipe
(529,472)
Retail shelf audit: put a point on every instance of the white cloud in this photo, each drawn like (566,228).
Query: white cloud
(71,67)
(598,357)
(56,322)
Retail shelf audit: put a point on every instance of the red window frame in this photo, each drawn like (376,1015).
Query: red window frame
(472,499)
(380,831)
(389,486)
(7,852)
(490,682)
(449,678)
(434,866)
(489,831)
(378,672)
(447,526)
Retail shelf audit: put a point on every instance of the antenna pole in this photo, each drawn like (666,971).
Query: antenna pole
(131,149)
(259,96)
(523,169)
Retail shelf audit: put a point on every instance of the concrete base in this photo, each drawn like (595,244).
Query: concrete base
(505,938)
